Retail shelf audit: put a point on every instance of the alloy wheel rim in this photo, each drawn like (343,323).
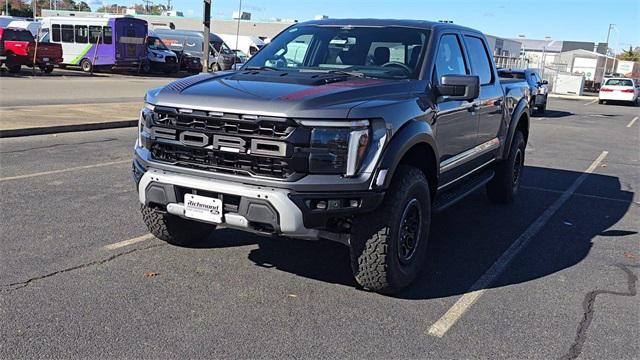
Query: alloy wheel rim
(517,167)
(410,231)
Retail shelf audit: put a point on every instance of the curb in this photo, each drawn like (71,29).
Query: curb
(67,128)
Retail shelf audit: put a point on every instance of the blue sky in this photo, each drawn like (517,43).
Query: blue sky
(581,20)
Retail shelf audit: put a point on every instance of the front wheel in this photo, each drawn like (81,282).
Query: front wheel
(388,246)
(504,186)
(174,229)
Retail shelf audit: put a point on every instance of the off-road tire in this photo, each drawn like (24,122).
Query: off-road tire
(12,64)
(174,229)
(504,186)
(375,237)
(542,109)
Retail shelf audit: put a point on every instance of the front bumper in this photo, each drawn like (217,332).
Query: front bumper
(256,208)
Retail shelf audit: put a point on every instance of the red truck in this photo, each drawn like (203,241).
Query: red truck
(17,47)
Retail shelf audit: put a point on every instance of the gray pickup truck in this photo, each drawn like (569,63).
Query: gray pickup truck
(353,130)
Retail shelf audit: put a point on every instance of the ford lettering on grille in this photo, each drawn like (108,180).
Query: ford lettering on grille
(223,142)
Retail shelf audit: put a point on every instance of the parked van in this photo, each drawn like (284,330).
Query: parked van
(248,44)
(159,57)
(109,41)
(191,43)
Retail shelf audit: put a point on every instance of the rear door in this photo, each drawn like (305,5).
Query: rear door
(130,35)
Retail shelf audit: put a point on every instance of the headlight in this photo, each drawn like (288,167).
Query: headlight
(144,131)
(337,147)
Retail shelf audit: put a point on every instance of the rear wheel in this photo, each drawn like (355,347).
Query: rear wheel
(504,186)
(388,246)
(86,65)
(174,229)
(600,101)
(542,108)
(13,64)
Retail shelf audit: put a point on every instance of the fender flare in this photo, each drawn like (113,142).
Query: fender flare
(412,133)
(521,109)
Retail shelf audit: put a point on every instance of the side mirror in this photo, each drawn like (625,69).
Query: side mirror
(459,87)
(545,82)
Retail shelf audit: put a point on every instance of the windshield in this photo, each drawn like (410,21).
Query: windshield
(217,45)
(155,43)
(384,52)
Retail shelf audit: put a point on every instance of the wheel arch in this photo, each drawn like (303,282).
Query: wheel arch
(413,145)
(519,122)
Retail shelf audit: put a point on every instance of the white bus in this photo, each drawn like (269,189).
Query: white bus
(108,41)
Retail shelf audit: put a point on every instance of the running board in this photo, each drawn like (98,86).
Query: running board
(460,191)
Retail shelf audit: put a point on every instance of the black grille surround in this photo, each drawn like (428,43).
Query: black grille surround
(290,167)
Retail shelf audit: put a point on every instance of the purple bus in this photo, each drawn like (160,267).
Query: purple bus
(88,42)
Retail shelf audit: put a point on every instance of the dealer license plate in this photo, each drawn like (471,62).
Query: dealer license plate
(203,208)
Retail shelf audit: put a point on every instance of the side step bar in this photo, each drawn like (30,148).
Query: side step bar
(460,191)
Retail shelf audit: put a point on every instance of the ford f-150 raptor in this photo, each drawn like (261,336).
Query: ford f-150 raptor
(350,130)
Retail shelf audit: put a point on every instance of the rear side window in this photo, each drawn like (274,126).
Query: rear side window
(107,35)
(17,35)
(95,34)
(82,33)
(55,32)
(479,59)
(449,60)
(619,82)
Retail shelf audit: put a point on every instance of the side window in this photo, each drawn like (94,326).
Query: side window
(449,60)
(55,32)
(82,34)
(67,33)
(479,59)
(94,34)
(107,35)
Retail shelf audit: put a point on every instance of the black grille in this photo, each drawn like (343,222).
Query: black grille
(290,167)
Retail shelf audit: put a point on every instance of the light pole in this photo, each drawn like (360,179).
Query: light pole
(205,35)
(606,50)
(237,31)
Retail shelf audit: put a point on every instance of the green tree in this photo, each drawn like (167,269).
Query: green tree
(630,55)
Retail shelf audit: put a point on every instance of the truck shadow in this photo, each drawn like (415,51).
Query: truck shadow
(469,237)
(552,114)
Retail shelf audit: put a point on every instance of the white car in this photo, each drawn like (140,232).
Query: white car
(619,89)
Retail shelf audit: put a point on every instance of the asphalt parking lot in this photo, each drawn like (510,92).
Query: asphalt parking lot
(80,277)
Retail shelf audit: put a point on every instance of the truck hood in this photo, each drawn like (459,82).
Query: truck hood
(270,93)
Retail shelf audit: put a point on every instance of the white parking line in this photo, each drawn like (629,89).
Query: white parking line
(440,327)
(63,170)
(591,102)
(633,121)
(124,243)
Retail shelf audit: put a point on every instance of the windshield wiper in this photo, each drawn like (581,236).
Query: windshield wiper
(349,73)
(271,68)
